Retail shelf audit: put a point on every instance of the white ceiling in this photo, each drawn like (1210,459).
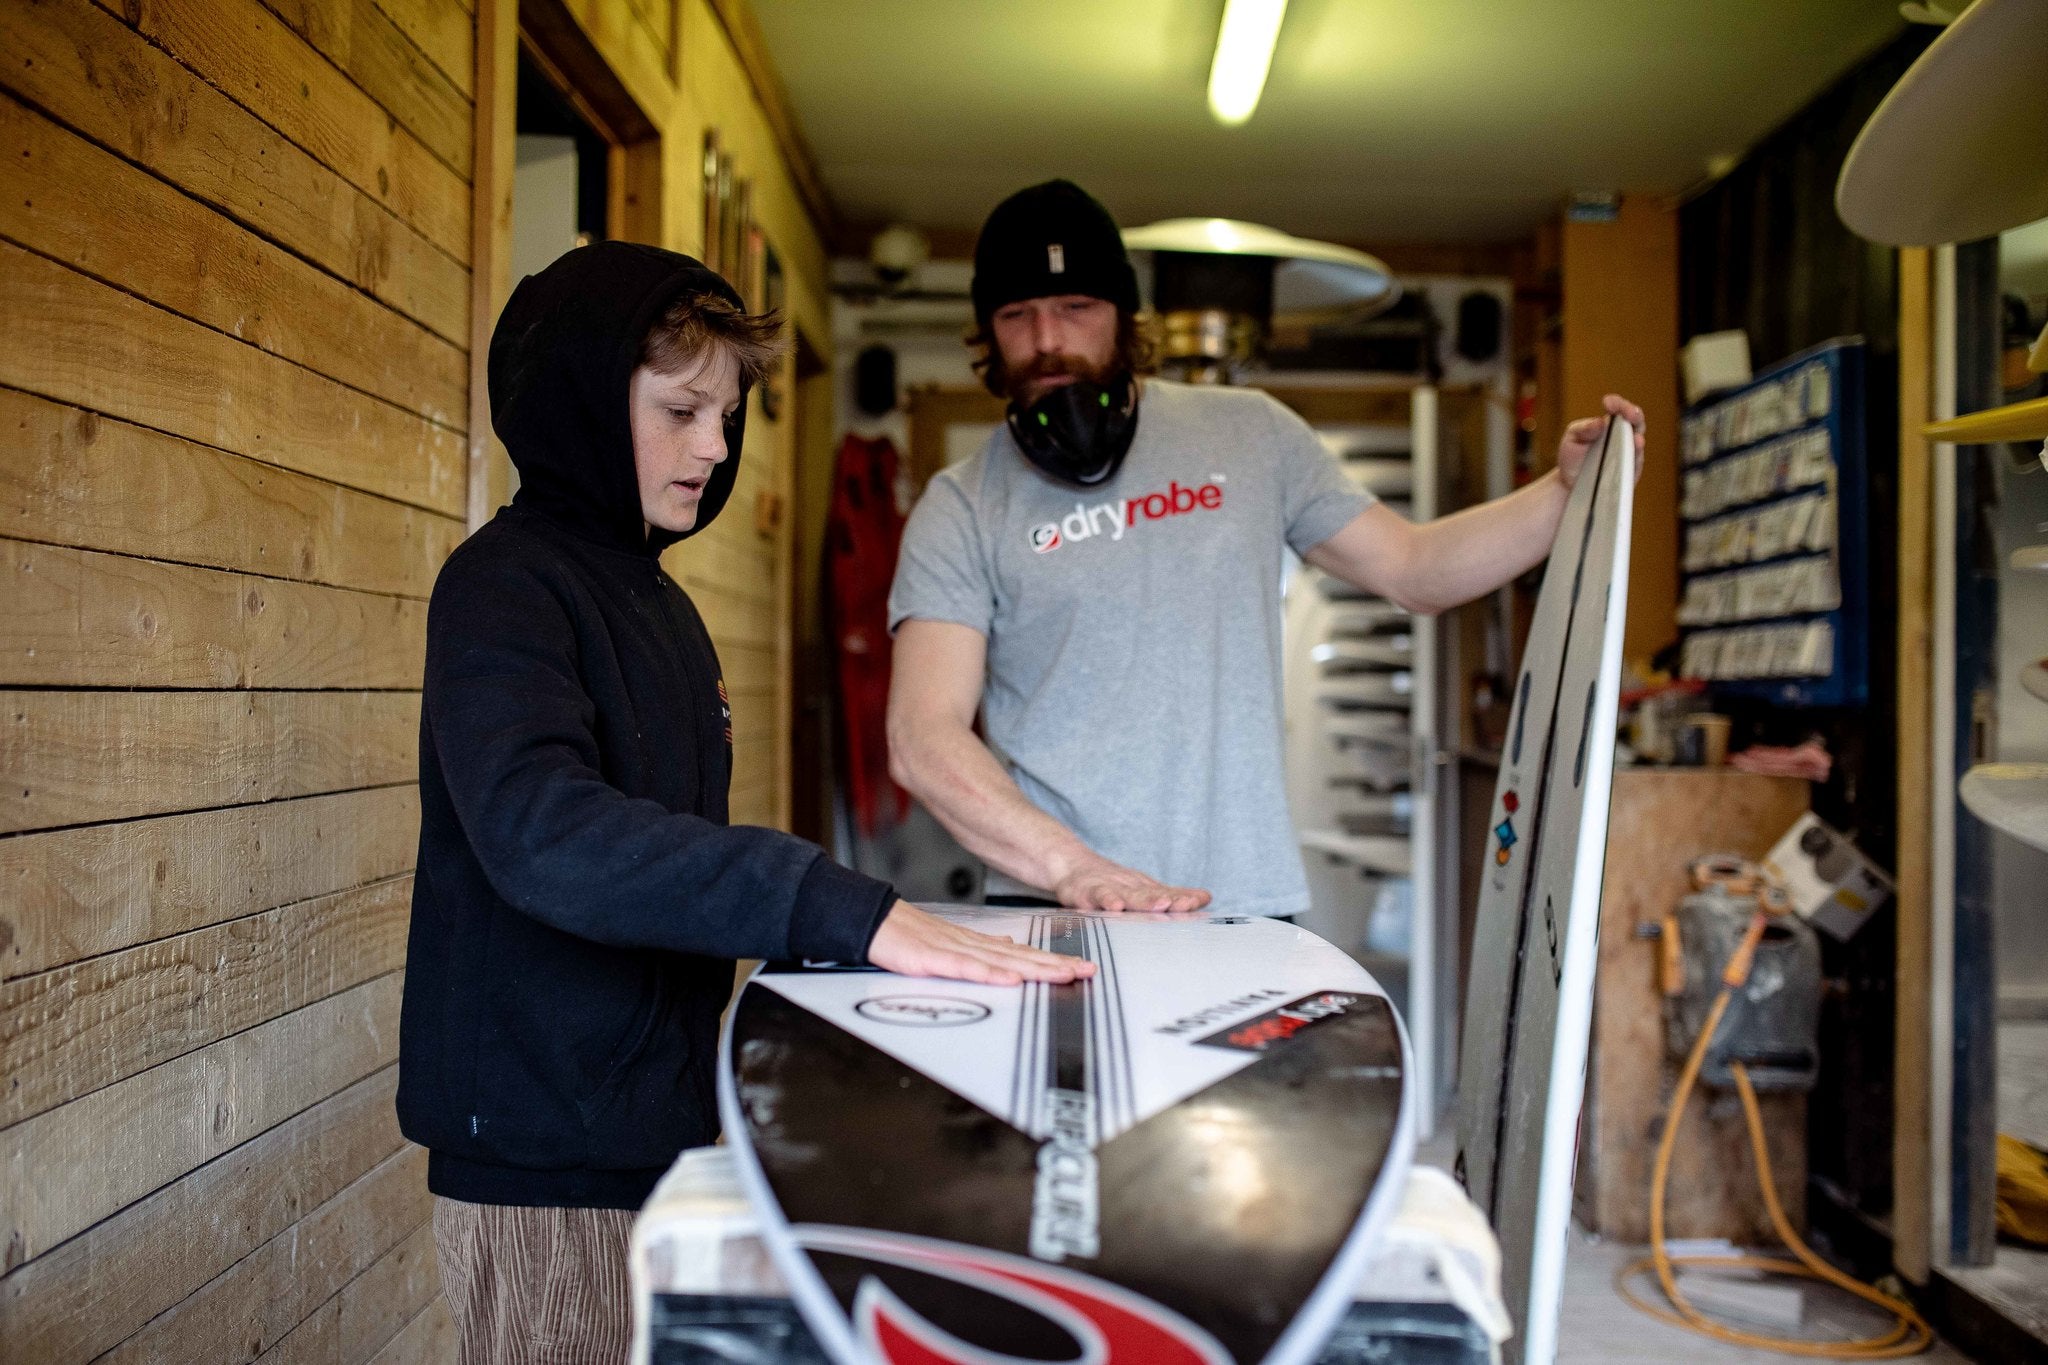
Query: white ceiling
(1408,120)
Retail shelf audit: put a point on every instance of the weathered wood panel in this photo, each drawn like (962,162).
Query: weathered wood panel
(73,1030)
(445,33)
(233,457)
(255,1304)
(72,757)
(736,621)
(65,1170)
(748,668)
(370,1311)
(72,477)
(226,276)
(430,1337)
(78,618)
(99,348)
(631,52)
(75,893)
(97,1289)
(92,72)
(243,50)
(362,40)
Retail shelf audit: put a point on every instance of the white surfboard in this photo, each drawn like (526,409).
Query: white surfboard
(1184,1159)
(1536,939)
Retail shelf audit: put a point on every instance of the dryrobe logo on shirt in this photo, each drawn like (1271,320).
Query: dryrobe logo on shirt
(1115,519)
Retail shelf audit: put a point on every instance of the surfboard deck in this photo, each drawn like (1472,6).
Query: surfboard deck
(1536,936)
(1183,1159)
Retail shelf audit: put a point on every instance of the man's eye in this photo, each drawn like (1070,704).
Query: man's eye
(682,414)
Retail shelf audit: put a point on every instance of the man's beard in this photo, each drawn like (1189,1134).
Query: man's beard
(1020,386)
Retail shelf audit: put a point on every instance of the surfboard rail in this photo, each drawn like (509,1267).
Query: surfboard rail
(1536,937)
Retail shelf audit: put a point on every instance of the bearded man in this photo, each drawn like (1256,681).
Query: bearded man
(1104,591)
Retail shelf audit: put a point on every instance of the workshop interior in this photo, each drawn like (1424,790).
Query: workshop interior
(1557,543)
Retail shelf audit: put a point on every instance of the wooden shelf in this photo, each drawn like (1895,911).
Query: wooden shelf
(2026,421)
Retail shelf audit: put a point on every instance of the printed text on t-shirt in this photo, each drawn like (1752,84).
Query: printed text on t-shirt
(1112,519)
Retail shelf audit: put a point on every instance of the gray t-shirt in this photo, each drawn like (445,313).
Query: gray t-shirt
(1134,631)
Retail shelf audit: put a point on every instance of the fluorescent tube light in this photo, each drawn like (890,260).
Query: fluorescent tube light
(1244,53)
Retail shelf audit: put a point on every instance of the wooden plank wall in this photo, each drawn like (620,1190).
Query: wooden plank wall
(233,397)
(738,573)
(235,252)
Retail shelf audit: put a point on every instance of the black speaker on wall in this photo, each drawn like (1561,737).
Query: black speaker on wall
(874,381)
(1478,327)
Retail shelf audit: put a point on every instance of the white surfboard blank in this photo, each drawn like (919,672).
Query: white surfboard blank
(1536,940)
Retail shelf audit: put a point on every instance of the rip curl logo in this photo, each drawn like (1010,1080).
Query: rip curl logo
(968,1299)
(1115,519)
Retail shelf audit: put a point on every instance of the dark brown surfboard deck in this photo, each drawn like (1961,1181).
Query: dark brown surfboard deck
(1183,1159)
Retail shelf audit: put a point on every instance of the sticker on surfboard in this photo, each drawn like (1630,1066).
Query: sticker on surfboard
(1184,1159)
(1533,953)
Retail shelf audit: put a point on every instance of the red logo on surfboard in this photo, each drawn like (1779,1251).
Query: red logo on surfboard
(1108,1325)
(1274,1027)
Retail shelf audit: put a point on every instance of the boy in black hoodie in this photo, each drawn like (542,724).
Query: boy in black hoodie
(580,898)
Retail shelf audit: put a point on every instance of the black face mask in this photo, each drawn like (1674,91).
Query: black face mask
(1080,432)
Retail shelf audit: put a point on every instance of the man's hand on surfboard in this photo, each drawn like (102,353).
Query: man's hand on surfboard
(1581,436)
(1096,883)
(914,943)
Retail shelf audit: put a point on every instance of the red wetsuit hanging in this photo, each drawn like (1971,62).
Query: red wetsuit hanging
(862,533)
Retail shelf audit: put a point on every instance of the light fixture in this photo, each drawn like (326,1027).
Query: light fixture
(1244,53)
(1217,285)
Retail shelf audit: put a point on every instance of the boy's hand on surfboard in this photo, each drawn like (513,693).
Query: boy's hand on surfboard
(1099,884)
(1581,436)
(914,943)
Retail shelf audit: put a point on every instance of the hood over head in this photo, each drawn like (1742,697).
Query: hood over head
(562,357)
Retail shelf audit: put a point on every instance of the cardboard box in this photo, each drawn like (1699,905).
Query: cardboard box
(1831,884)
(1714,361)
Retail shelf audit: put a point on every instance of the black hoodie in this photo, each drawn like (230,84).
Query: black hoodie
(580,897)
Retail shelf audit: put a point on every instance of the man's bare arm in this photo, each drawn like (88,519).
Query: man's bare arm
(1447,562)
(935,689)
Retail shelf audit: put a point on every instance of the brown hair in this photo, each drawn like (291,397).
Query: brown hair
(697,324)
(1137,343)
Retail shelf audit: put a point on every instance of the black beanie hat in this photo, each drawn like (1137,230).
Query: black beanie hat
(1051,239)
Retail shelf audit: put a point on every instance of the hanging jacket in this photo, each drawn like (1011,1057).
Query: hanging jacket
(580,898)
(863,531)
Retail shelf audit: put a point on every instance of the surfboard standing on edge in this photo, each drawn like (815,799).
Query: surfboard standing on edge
(1180,1162)
(1534,947)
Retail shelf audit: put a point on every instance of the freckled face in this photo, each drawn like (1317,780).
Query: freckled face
(678,425)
